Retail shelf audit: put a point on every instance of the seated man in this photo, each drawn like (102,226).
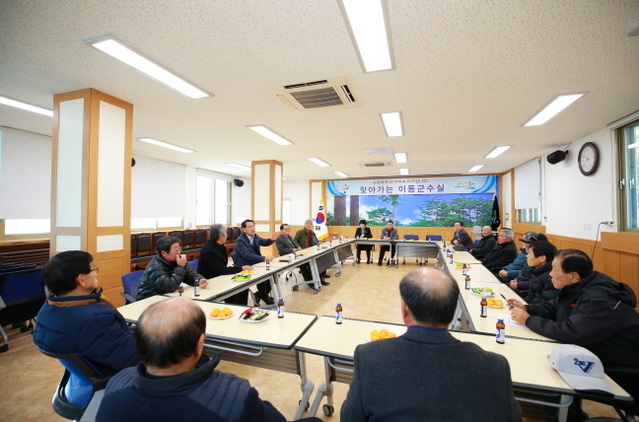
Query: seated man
(213,261)
(503,253)
(364,232)
(461,238)
(593,311)
(427,374)
(247,252)
(77,319)
(168,386)
(306,238)
(286,245)
(518,274)
(167,270)
(389,232)
(485,245)
(540,257)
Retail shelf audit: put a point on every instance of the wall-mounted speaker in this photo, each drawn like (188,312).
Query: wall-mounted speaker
(238,182)
(132,162)
(556,157)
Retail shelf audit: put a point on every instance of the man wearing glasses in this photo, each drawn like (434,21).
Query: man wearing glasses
(76,318)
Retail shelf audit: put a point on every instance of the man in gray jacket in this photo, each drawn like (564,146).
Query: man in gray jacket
(427,374)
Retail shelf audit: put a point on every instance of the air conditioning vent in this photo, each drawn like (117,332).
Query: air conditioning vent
(317,95)
(375,164)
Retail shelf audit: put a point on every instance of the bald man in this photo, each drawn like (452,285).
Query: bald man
(427,373)
(173,383)
(486,243)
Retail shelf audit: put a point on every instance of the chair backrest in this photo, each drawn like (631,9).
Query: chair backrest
(23,286)
(433,237)
(155,236)
(193,264)
(130,283)
(134,245)
(236,232)
(180,235)
(144,244)
(233,255)
(200,237)
(189,239)
(411,237)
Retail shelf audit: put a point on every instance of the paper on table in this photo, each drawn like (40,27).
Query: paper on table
(508,319)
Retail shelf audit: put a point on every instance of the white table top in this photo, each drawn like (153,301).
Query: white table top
(528,359)
(275,332)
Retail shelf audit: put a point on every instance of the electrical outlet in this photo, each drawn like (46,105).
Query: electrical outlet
(609,223)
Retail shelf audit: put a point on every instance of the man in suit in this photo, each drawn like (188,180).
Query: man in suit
(426,374)
(213,261)
(286,245)
(461,238)
(247,252)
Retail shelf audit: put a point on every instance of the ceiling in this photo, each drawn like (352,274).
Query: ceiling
(468,74)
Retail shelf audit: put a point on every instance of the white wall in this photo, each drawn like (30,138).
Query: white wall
(240,203)
(574,204)
(299,194)
(506,201)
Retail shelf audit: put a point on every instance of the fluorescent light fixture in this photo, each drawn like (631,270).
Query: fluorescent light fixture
(341,174)
(401,157)
(392,123)
(164,144)
(559,103)
(403,171)
(367,23)
(319,162)
(498,151)
(475,169)
(635,145)
(268,133)
(24,106)
(116,48)
(238,165)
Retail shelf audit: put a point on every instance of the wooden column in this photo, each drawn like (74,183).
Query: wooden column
(91,182)
(266,197)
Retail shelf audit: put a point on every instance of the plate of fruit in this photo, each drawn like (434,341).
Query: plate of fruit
(380,335)
(222,313)
(482,291)
(254,315)
(495,303)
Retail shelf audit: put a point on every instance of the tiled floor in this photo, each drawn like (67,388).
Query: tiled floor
(28,379)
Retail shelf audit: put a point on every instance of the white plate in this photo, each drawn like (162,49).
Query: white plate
(485,294)
(497,307)
(216,318)
(241,277)
(252,321)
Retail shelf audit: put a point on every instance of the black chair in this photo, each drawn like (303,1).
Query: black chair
(80,390)
(22,293)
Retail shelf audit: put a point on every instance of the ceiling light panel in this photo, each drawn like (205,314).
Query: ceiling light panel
(341,174)
(117,49)
(367,23)
(269,134)
(558,104)
(401,157)
(497,151)
(475,169)
(164,145)
(392,123)
(403,171)
(319,162)
(24,106)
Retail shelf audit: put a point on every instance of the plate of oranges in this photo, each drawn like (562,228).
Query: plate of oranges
(380,335)
(223,313)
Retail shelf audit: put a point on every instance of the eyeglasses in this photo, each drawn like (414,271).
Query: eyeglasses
(96,269)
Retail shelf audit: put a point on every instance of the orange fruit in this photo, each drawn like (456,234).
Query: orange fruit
(227,311)
(215,312)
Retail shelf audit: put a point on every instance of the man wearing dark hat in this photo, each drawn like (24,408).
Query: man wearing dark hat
(519,270)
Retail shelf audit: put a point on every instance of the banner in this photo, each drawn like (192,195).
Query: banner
(414,186)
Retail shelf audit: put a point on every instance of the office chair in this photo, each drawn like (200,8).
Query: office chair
(433,237)
(79,392)
(130,283)
(193,264)
(412,237)
(21,297)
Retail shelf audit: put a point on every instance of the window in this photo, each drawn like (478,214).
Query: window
(628,142)
(528,192)
(212,199)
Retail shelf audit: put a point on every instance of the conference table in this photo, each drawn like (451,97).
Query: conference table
(267,344)
(405,248)
(530,369)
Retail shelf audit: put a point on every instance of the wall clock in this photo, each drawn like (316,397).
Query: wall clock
(588,159)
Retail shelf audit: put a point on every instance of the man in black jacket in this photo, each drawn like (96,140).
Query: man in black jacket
(213,261)
(503,253)
(167,270)
(485,245)
(540,257)
(593,311)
